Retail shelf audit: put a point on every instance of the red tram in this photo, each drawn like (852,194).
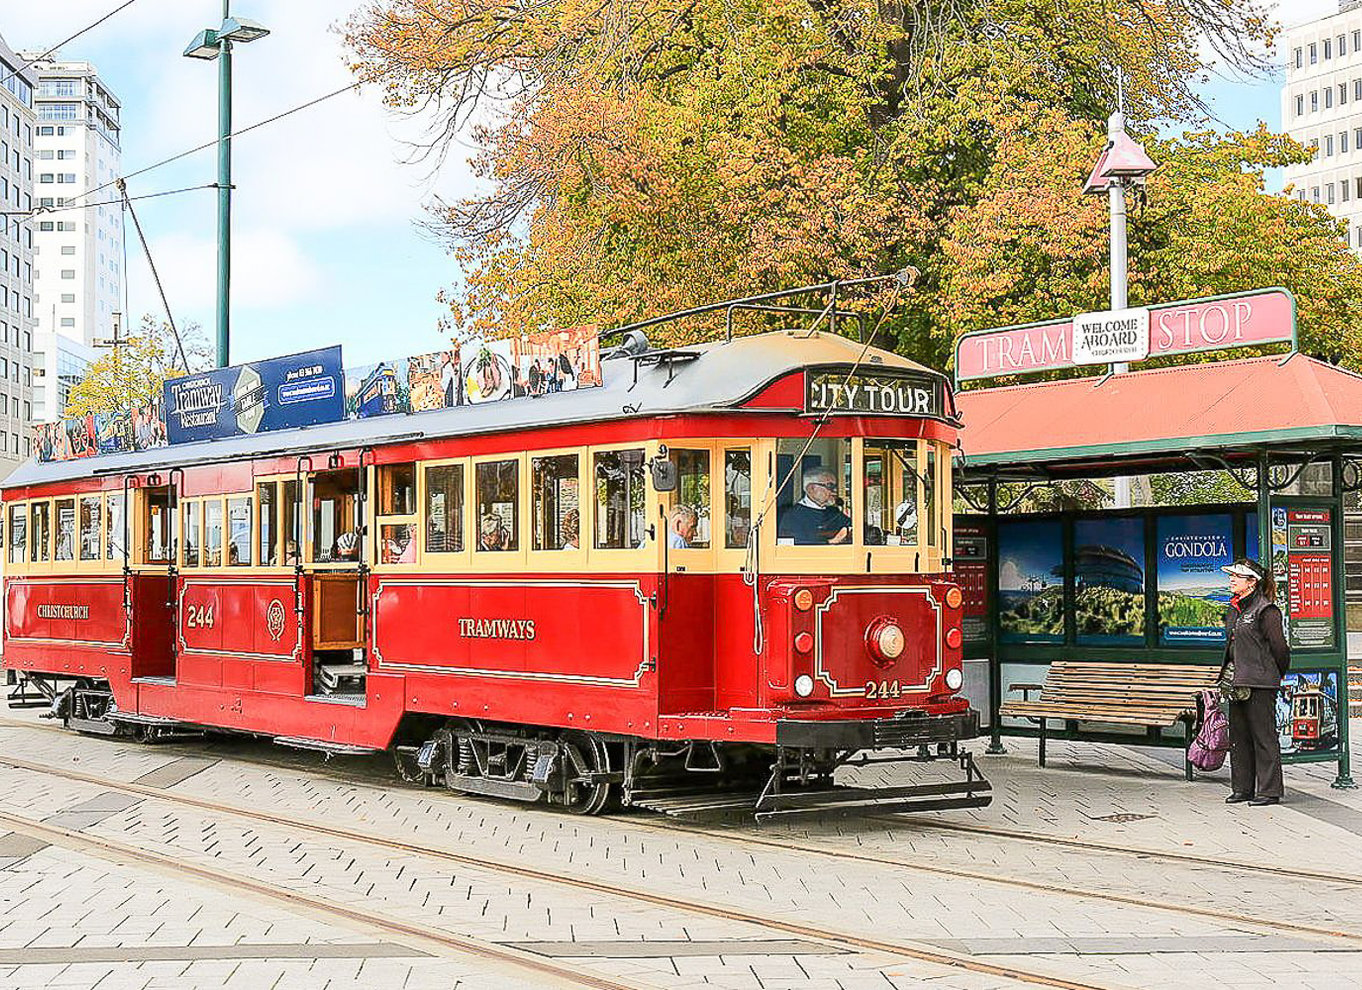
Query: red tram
(621,590)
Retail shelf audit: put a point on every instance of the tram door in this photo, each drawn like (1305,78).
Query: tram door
(332,564)
(145,538)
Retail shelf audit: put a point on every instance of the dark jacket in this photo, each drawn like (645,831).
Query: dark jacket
(1255,641)
(807,525)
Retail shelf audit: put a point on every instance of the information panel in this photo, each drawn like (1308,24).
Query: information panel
(971,571)
(1309,577)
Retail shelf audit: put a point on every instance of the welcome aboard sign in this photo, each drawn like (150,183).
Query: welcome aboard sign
(1217,323)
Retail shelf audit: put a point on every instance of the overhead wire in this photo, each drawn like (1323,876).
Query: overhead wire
(45,210)
(89,27)
(155,275)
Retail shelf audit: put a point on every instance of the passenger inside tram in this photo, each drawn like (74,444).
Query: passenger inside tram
(683,522)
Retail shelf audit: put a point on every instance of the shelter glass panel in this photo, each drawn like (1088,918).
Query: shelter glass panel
(239,532)
(620,499)
(737,496)
(688,522)
(193,533)
(268,522)
(813,500)
(115,523)
(212,533)
(891,492)
(498,505)
(444,508)
(555,495)
(18,533)
(66,529)
(91,511)
(41,546)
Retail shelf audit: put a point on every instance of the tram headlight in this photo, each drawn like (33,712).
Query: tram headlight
(954,678)
(886,639)
(803,685)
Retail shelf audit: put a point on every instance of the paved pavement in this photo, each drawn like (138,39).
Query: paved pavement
(233,901)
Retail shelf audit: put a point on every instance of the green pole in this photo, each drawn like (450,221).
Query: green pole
(224,197)
(1344,779)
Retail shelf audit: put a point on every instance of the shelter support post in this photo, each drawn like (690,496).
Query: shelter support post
(1344,780)
(995,668)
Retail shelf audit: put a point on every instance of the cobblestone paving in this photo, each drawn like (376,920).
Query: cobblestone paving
(73,901)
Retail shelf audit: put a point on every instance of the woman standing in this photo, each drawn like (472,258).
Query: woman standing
(1256,658)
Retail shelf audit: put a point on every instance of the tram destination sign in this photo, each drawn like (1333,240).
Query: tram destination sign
(878,393)
(1197,325)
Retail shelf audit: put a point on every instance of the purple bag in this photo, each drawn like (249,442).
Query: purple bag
(1212,742)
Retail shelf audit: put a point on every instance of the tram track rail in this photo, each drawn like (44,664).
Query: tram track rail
(844,940)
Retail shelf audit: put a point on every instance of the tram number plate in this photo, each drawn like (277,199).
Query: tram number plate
(199,617)
(883,689)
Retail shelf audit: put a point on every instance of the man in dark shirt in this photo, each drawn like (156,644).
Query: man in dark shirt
(815,518)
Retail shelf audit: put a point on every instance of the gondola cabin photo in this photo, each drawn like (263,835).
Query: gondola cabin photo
(725,571)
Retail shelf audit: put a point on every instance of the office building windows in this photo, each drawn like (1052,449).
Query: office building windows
(1300,58)
(1328,101)
(1314,105)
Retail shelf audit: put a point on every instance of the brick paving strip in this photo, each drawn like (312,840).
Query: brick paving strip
(42,956)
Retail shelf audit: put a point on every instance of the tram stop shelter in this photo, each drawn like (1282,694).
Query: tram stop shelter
(1143,585)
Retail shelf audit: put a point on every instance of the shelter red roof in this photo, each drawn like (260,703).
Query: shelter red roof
(1161,413)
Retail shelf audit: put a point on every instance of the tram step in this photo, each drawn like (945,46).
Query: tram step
(325,746)
(94,726)
(678,801)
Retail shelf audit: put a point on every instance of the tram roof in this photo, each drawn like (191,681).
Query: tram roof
(701,378)
(1159,419)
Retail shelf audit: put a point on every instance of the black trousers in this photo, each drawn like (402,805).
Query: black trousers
(1255,755)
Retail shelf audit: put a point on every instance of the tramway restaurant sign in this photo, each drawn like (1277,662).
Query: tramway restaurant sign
(276,394)
(873,394)
(1218,323)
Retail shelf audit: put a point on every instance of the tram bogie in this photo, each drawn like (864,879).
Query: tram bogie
(724,578)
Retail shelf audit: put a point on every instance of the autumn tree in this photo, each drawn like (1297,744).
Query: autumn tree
(640,156)
(135,372)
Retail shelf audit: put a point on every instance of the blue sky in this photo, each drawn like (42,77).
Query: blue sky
(327,242)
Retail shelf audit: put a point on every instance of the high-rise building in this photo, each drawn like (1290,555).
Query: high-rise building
(78,276)
(1322,109)
(16,259)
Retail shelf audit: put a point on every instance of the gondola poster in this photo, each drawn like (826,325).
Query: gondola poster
(1193,591)
(1031,582)
(275,394)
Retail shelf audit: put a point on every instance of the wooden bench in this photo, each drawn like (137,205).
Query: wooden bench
(1156,696)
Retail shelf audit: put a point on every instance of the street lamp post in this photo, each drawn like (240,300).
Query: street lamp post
(209,44)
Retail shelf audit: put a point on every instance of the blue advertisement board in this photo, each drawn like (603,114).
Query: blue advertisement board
(1193,590)
(276,394)
(1031,582)
(1109,581)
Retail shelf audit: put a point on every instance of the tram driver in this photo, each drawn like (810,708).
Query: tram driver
(816,518)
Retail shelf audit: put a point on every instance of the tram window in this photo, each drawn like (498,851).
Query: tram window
(239,532)
(293,523)
(18,533)
(212,533)
(268,522)
(620,499)
(688,522)
(397,489)
(813,501)
(891,477)
(335,536)
(396,545)
(498,504)
(929,497)
(40,548)
(193,529)
(156,547)
(737,497)
(91,509)
(113,527)
(444,508)
(557,517)
(66,529)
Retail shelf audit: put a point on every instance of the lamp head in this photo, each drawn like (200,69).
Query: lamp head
(241,30)
(204,46)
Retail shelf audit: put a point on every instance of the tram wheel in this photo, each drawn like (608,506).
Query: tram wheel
(585,754)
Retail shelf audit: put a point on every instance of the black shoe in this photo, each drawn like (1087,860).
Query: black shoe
(1258,802)
(1236,798)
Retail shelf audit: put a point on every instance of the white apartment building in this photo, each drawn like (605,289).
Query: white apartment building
(78,269)
(1322,108)
(17,308)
